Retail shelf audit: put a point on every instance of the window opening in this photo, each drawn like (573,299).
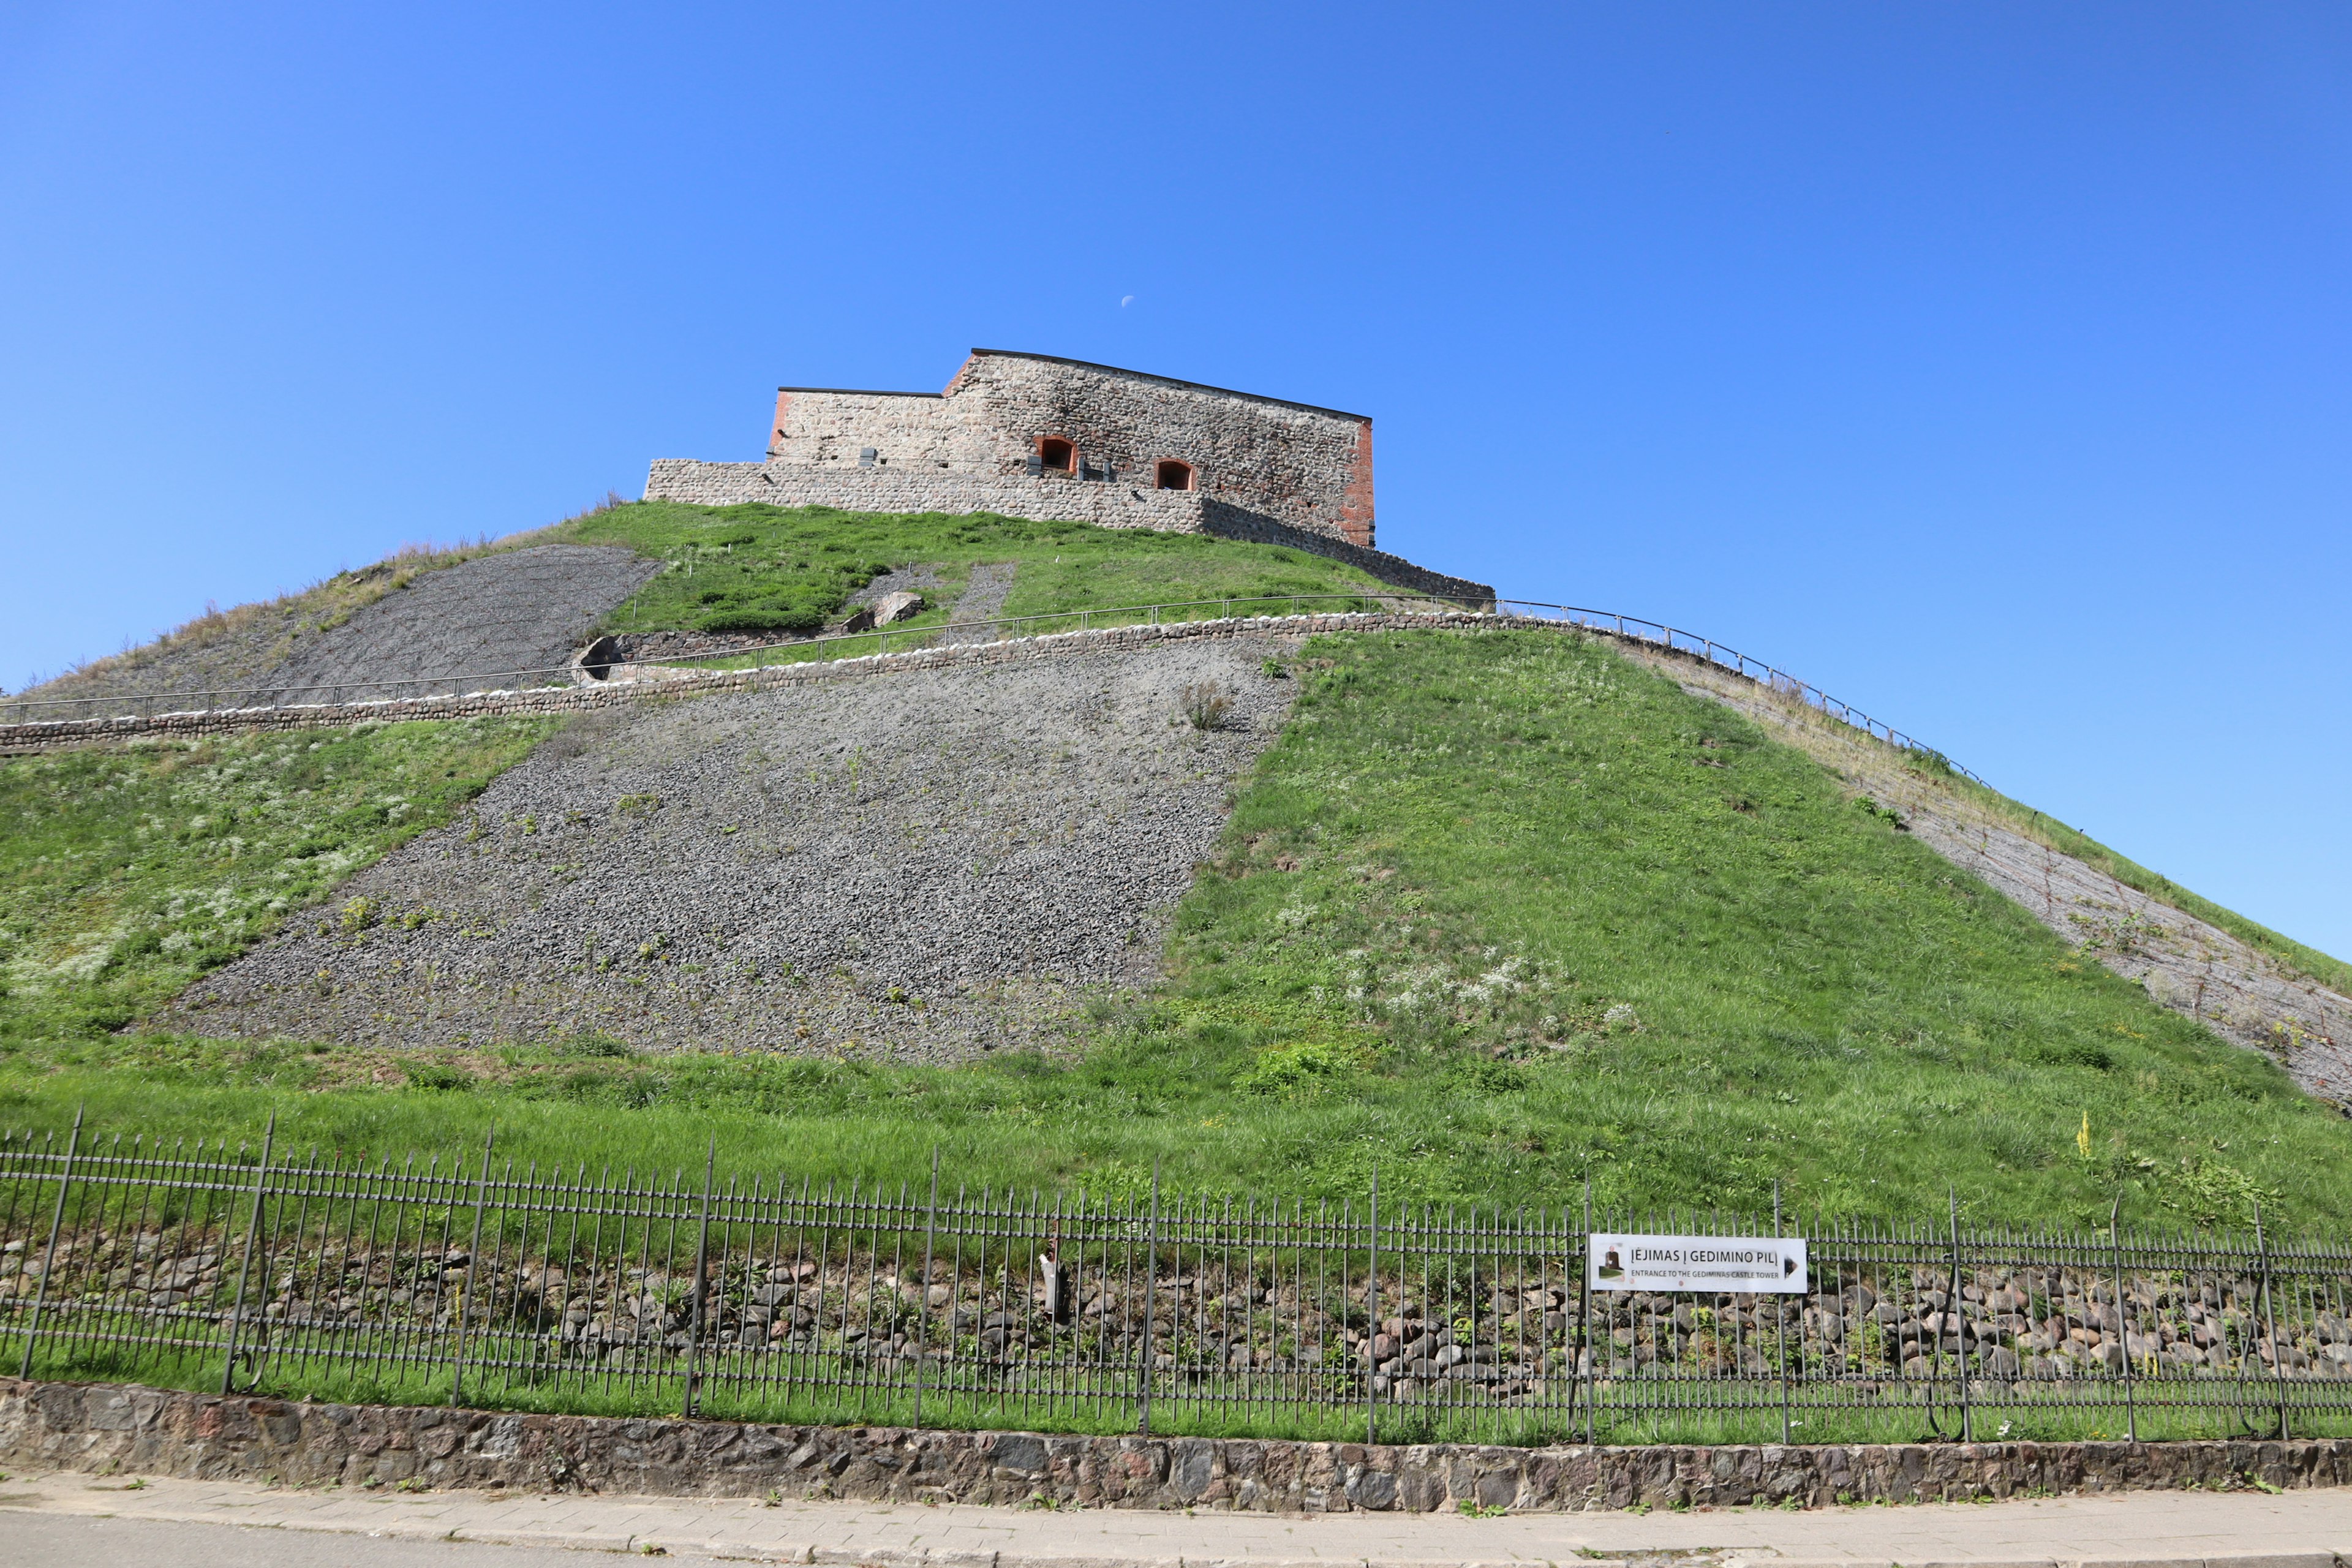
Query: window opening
(1173,475)
(1056,454)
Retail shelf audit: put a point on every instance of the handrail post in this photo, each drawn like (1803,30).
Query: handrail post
(466,1287)
(49,1252)
(700,1297)
(245,1267)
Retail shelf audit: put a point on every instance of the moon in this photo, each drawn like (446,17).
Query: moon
(1125,301)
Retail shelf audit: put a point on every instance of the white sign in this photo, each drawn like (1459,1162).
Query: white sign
(1723,1265)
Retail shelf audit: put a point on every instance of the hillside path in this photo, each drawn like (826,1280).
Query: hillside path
(78,1519)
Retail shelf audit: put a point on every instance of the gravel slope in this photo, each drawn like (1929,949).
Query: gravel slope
(924,866)
(525,610)
(517,609)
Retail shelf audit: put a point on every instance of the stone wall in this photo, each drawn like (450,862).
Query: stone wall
(823,429)
(62,734)
(898,489)
(1102,504)
(127,1430)
(1302,467)
(1305,466)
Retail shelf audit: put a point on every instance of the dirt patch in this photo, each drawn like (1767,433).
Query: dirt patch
(2186,965)
(924,866)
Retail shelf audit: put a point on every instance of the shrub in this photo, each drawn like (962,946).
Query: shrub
(1302,1068)
(593,1045)
(765,618)
(1204,705)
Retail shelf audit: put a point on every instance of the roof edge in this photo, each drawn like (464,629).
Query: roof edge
(860,392)
(1171,381)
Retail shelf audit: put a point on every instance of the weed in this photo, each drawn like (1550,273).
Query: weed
(1205,705)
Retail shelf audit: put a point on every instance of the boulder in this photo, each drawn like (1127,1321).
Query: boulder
(892,608)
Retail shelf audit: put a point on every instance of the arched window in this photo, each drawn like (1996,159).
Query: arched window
(1058,454)
(1172,475)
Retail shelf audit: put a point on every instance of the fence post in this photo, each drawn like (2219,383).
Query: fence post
(49,1252)
(1373,1303)
(1780,1310)
(466,1288)
(700,1297)
(2123,1330)
(2270,1320)
(245,1267)
(1951,1312)
(923,1301)
(1150,1277)
(1584,1316)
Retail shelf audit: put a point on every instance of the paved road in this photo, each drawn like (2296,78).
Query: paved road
(65,1541)
(110,1523)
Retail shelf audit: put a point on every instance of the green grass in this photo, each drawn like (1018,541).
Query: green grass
(750,569)
(1497,913)
(130,871)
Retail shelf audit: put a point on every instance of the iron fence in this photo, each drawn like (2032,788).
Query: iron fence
(471,1281)
(880,639)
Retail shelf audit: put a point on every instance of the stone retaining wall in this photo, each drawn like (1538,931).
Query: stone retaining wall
(129,1430)
(61,733)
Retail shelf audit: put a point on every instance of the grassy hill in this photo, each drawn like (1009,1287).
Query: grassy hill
(1497,913)
(754,569)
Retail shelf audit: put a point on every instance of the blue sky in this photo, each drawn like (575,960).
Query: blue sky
(1986,364)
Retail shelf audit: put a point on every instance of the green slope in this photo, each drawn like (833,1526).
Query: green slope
(1497,913)
(124,874)
(751,569)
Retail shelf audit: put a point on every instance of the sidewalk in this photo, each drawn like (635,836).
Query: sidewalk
(2139,1530)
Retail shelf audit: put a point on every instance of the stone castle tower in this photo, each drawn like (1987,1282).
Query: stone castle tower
(1031,436)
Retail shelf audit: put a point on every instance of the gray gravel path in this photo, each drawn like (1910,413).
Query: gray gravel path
(525,610)
(923,865)
(519,609)
(983,597)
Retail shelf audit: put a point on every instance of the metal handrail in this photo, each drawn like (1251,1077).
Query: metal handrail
(1632,628)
